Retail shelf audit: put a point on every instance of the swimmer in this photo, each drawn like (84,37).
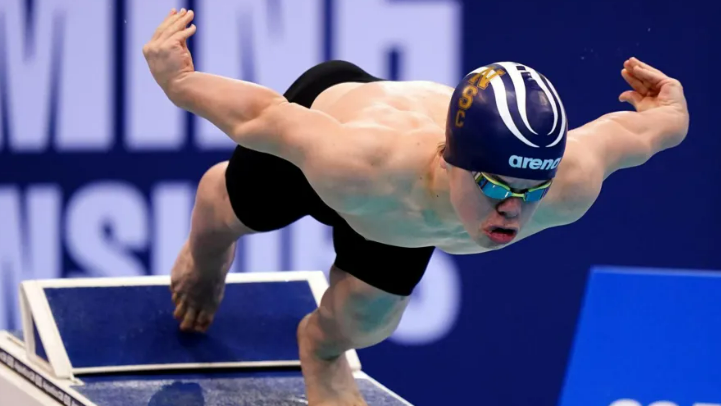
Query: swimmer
(397,169)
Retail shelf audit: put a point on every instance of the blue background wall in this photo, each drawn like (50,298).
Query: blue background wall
(509,342)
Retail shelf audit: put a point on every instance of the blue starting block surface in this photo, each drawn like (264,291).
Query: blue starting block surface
(647,335)
(113,325)
(95,342)
(134,325)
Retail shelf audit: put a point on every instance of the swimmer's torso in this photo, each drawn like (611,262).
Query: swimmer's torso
(406,121)
(401,105)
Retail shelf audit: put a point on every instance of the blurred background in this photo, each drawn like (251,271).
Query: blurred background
(98,170)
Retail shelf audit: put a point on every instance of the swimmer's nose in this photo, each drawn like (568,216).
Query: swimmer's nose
(510,208)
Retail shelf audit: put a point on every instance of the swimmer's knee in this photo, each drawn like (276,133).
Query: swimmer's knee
(212,186)
(214,177)
(212,196)
(363,314)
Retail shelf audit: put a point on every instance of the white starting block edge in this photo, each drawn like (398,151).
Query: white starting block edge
(34,306)
(23,384)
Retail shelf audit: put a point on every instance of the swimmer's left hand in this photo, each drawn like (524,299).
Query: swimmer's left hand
(652,89)
(167,51)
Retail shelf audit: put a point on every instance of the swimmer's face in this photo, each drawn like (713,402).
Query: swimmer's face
(492,223)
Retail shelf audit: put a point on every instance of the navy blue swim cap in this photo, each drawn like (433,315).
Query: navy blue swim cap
(506,119)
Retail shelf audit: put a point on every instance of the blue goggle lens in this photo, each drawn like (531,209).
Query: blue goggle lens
(499,192)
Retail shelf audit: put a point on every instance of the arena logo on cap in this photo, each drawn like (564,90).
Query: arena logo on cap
(533,163)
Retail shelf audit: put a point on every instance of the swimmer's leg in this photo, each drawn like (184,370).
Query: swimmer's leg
(370,287)
(198,275)
(352,315)
(252,192)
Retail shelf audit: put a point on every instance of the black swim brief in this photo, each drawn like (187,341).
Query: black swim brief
(259,203)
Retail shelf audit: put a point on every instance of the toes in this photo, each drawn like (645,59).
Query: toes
(180,309)
(205,319)
(189,321)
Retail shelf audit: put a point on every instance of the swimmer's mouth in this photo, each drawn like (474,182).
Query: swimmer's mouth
(509,231)
(501,235)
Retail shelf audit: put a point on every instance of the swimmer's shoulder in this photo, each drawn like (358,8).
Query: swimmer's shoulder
(373,163)
(330,97)
(422,102)
(407,95)
(404,106)
(403,95)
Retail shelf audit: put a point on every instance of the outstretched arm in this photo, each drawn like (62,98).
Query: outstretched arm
(626,139)
(252,115)
(617,141)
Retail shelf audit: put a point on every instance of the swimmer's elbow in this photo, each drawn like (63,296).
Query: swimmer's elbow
(262,131)
(617,140)
(292,132)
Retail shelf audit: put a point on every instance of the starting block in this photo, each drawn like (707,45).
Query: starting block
(114,341)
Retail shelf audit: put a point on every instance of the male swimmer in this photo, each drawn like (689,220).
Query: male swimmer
(396,169)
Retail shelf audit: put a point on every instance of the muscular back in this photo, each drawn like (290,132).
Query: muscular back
(381,180)
(400,105)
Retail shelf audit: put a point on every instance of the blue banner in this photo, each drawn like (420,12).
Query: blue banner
(98,169)
(645,336)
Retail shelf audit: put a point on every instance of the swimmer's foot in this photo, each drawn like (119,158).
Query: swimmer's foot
(327,382)
(198,288)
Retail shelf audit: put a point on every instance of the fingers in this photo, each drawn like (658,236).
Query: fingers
(637,85)
(654,78)
(182,22)
(646,73)
(162,24)
(178,24)
(173,28)
(631,97)
(636,61)
(172,16)
(185,34)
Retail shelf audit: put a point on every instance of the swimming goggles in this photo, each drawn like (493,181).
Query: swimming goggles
(497,190)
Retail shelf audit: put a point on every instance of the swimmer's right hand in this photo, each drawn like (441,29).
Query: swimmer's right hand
(197,292)
(167,52)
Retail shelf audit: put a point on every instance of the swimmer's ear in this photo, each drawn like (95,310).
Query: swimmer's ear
(444,164)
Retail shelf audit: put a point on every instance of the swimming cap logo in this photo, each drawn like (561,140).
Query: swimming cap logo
(484,77)
(516,161)
(480,80)
(464,103)
(519,76)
